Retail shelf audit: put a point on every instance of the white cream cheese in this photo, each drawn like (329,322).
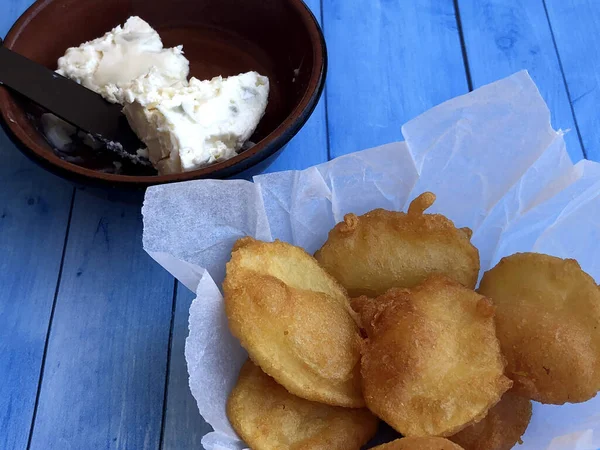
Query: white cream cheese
(189,127)
(185,125)
(124,57)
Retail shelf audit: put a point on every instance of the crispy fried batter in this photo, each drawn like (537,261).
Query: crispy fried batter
(431,364)
(294,320)
(268,417)
(384,249)
(419,443)
(548,324)
(501,429)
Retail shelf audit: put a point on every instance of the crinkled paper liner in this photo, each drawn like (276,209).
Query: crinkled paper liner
(495,165)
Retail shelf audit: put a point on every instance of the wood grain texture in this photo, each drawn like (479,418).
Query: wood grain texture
(104,378)
(505,36)
(34,212)
(389,62)
(106,367)
(576,27)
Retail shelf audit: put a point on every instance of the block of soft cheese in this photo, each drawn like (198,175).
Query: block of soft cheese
(185,125)
(191,126)
(124,58)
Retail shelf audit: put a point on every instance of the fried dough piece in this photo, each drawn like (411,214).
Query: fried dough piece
(294,320)
(501,429)
(268,417)
(382,249)
(431,364)
(548,324)
(419,443)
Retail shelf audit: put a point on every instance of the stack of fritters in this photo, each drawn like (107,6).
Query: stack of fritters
(416,346)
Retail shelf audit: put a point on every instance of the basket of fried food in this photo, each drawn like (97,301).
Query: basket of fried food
(383,324)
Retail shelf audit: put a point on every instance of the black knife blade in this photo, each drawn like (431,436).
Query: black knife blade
(67,99)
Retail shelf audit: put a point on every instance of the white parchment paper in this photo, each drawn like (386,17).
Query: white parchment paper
(496,166)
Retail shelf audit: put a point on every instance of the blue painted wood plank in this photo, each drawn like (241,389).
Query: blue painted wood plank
(104,378)
(10,10)
(34,212)
(183,425)
(505,36)
(389,61)
(576,27)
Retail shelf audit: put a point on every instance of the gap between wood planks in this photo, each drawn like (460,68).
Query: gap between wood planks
(49,329)
(470,86)
(463,47)
(163,419)
(324,94)
(564,79)
(557,54)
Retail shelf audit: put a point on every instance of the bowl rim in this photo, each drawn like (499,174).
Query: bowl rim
(263,149)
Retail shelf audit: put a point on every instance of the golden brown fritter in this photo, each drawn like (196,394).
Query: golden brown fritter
(383,249)
(268,417)
(294,320)
(548,324)
(431,364)
(419,443)
(501,429)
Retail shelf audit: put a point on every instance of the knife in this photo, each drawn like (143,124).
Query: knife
(72,102)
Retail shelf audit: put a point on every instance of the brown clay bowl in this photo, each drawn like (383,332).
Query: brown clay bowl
(278,38)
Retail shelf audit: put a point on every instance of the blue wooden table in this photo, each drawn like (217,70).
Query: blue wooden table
(92,330)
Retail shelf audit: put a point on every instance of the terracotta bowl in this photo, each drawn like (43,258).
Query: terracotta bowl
(278,38)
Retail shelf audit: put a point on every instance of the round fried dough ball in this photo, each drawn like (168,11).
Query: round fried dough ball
(501,429)
(267,416)
(382,249)
(548,324)
(294,320)
(419,443)
(431,364)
